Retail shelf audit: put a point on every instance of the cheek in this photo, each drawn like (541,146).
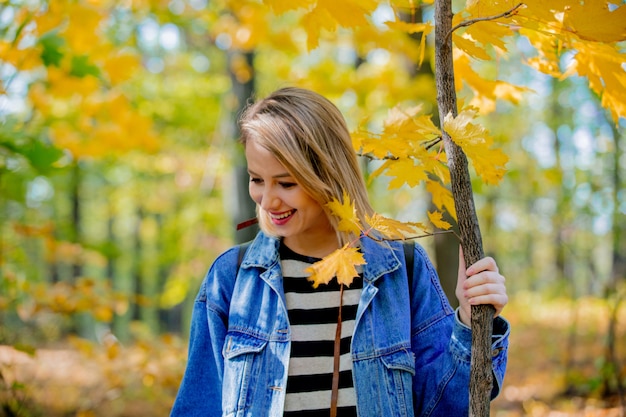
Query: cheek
(255,194)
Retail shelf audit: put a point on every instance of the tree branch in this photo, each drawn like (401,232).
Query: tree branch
(412,237)
(470,22)
(427,145)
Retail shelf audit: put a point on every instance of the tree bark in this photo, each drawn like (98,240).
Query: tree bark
(77,217)
(481,377)
(244,208)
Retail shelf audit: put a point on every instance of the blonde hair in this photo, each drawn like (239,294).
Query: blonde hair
(308,135)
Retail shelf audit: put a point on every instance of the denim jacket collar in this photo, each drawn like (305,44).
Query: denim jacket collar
(381,258)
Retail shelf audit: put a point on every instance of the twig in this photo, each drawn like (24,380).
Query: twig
(428,145)
(470,22)
(434,142)
(427,234)
(374,158)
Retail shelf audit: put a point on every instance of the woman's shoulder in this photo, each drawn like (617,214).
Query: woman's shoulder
(226,258)
(228,263)
(222,271)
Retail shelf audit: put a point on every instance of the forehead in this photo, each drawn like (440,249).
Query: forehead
(262,162)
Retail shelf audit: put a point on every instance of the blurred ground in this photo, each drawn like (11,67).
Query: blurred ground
(556,359)
(556,363)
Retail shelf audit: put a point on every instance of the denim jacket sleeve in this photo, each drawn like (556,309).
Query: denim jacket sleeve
(442,347)
(200,392)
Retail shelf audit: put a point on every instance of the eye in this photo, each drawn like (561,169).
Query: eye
(256,180)
(287,185)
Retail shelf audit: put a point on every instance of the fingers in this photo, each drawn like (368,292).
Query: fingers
(484,285)
(485,264)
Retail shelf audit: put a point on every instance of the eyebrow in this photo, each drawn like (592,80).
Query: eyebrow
(283,175)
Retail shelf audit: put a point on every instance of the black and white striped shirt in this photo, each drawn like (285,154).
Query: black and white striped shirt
(313,314)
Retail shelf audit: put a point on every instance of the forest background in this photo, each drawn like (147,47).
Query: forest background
(121,180)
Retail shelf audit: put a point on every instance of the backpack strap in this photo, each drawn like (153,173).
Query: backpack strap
(409,251)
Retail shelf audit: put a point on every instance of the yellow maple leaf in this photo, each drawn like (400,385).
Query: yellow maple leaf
(493,32)
(583,19)
(436,163)
(62,84)
(490,34)
(478,8)
(121,66)
(405,143)
(436,218)
(603,66)
(441,197)
(403,171)
(358,138)
(405,131)
(345,211)
(477,145)
(22,59)
(350,13)
(53,16)
(82,34)
(341,264)
(470,47)
(395,229)
(283,6)
(313,22)
(330,14)
(409,122)
(486,91)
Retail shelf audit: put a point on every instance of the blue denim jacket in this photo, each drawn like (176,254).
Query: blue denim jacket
(411,355)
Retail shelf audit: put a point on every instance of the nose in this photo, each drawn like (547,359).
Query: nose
(269,200)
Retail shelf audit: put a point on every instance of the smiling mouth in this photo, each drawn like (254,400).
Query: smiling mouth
(283,215)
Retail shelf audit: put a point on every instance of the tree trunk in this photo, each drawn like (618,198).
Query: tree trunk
(77,267)
(138,275)
(447,259)
(481,378)
(244,208)
(619,227)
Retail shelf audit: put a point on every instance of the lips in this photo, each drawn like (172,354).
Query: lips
(281,218)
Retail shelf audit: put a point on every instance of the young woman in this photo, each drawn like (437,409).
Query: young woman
(264,342)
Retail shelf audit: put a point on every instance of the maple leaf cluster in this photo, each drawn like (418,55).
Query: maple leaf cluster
(343,262)
(410,146)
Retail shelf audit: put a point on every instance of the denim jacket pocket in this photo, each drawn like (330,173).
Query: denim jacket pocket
(242,366)
(392,394)
(401,368)
(401,360)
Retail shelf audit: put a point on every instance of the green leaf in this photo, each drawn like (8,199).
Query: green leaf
(81,67)
(52,45)
(41,156)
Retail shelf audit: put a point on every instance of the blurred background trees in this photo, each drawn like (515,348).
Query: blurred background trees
(121,181)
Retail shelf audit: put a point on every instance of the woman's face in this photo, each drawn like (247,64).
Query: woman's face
(296,217)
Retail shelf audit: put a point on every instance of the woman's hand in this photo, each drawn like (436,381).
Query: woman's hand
(481,283)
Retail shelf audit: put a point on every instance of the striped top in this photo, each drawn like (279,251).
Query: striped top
(313,314)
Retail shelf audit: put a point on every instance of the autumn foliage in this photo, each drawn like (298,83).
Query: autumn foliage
(117,144)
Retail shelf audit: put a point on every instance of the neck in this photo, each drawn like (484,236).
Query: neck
(314,246)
